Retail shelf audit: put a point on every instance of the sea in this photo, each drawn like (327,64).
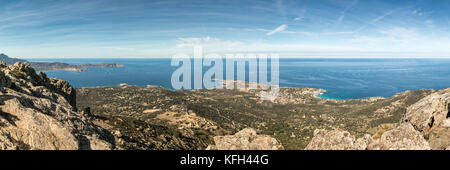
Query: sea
(341,78)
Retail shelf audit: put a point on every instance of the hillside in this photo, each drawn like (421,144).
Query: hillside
(135,114)
(8,60)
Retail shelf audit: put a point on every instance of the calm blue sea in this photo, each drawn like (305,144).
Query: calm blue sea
(342,78)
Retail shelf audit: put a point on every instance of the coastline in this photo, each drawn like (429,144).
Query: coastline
(374,98)
(56,66)
(314,92)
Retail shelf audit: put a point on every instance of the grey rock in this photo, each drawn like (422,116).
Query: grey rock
(337,140)
(404,137)
(38,113)
(246,139)
(432,111)
(431,117)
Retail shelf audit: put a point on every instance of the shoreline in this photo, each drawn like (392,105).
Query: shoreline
(314,94)
(366,98)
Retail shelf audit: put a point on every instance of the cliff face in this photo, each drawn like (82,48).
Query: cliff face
(37,112)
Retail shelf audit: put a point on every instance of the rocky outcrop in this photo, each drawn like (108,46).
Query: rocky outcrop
(403,137)
(431,117)
(246,139)
(425,126)
(430,112)
(39,113)
(336,140)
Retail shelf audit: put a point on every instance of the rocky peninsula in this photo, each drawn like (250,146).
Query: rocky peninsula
(43,66)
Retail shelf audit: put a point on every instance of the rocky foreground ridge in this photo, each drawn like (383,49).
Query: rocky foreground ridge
(425,126)
(37,112)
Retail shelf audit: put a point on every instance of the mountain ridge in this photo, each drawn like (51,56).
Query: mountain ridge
(42,66)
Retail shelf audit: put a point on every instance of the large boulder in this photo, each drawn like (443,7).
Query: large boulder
(431,117)
(39,113)
(430,112)
(404,137)
(337,140)
(246,139)
(426,125)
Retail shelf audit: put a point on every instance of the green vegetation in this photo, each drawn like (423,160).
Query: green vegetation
(291,119)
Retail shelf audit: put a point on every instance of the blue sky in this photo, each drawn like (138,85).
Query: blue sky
(162,28)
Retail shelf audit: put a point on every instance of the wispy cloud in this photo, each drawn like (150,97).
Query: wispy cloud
(300,33)
(217,45)
(120,48)
(391,35)
(401,33)
(87,28)
(347,8)
(207,42)
(278,29)
(298,18)
(280,6)
(417,12)
(374,21)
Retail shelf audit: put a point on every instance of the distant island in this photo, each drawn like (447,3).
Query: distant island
(41,66)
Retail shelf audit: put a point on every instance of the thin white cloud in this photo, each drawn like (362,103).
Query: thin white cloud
(278,29)
(400,33)
(299,32)
(344,12)
(120,48)
(417,12)
(429,23)
(298,18)
(374,21)
(207,42)
(368,40)
(280,7)
(307,33)
(395,35)
(223,46)
(341,18)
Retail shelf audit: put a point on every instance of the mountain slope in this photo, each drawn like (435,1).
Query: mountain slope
(200,115)
(8,60)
